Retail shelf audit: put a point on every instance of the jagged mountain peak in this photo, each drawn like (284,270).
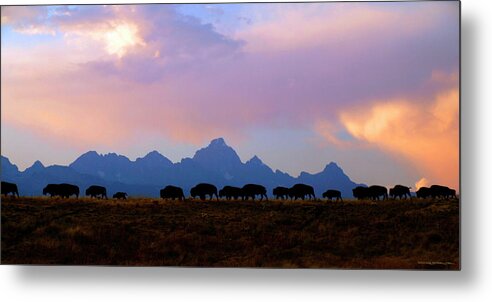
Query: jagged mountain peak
(93,156)
(219,142)
(154,158)
(304,173)
(217,156)
(255,160)
(90,154)
(332,166)
(8,168)
(115,156)
(36,167)
(37,164)
(153,153)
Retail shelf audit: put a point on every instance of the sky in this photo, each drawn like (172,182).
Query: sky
(373,87)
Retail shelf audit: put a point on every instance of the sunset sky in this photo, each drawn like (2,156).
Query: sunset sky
(371,86)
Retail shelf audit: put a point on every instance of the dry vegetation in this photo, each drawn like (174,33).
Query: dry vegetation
(353,234)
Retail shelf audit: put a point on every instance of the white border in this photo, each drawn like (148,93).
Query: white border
(473,283)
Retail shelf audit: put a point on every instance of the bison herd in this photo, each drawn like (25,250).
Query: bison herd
(253,191)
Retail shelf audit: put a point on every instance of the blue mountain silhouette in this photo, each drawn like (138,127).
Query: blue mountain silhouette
(216,163)
(9,171)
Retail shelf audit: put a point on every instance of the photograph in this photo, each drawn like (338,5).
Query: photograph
(320,135)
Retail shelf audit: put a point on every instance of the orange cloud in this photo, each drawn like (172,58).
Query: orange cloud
(423,182)
(426,134)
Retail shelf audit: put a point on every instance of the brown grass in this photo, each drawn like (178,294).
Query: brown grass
(147,232)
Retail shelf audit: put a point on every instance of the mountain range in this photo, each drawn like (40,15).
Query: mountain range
(216,163)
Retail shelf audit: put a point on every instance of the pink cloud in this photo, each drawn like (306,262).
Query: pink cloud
(339,26)
(299,69)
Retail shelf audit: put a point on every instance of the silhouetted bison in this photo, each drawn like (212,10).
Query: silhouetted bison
(400,191)
(230,192)
(172,192)
(51,189)
(96,191)
(63,190)
(281,192)
(120,195)
(424,192)
(377,191)
(333,194)
(251,190)
(8,187)
(438,191)
(361,192)
(204,189)
(301,191)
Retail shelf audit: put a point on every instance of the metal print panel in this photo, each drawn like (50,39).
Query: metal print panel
(284,135)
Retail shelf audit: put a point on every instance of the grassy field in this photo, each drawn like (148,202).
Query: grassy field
(146,232)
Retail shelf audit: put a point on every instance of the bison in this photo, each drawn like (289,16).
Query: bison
(204,189)
(172,192)
(251,190)
(120,195)
(424,192)
(281,193)
(377,191)
(361,192)
(438,191)
(333,194)
(400,191)
(63,190)
(230,192)
(96,191)
(301,191)
(51,189)
(8,187)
